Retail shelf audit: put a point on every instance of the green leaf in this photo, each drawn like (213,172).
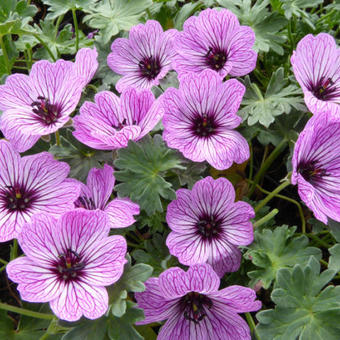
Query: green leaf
(131,281)
(334,227)
(142,168)
(280,97)
(89,330)
(121,328)
(295,7)
(156,253)
(273,250)
(303,310)
(15,16)
(80,158)
(112,16)
(266,25)
(62,42)
(334,259)
(61,7)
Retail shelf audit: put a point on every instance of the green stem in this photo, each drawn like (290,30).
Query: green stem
(302,216)
(21,67)
(271,195)
(266,218)
(318,241)
(59,20)
(324,263)
(134,245)
(93,87)
(251,162)
(42,42)
(51,329)
(4,53)
(75,22)
(267,163)
(161,88)
(252,325)
(57,138)
(3,262)
(27,312)
(14,250)
(29,61)
(290,35)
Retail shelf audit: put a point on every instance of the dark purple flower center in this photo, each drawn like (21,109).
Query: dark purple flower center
(311,172)
(85,202)
(150,67)
(69,267)
(17,198)
(122,124)
(324,89)
(46,112)
(209,227)
(204,126)
(193,306)
(216,58)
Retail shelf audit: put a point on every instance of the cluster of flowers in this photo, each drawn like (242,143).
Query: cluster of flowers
(62,225)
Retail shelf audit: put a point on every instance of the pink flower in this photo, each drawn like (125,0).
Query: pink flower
(200,118)
(194,307)
(41,103)
(68,263)
(215,40)
(111,122)
(316,65)
(96,193)
(144,58)
(31,185)
(316,166)
(208,226)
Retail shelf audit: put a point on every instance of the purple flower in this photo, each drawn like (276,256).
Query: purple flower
(96,193)
(68,263)
(200,116)
(111,122)
(207,225)
(215,40)
(316,166)
(144,58)
(316,65)
(194,307)
(41,103)
(30,185)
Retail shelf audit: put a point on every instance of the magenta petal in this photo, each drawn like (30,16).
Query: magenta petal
(238,298)
(79,228)
(36,283)
(101,183)
(156,308)
(86,63)
(106,261)
(17,92)
(121,211)
(38,239)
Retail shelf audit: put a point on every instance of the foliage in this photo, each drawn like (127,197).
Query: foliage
(304,310)
(280,97)
(142,171)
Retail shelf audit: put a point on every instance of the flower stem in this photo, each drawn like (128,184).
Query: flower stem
(318,241)
(267,163)
(75,22)
(251,161)
(14,250)
(302,216)
(4,53)
(27,312)
(271,195)
(42,42)
(3,262)
(266,218)
(252,325)
(57,138)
